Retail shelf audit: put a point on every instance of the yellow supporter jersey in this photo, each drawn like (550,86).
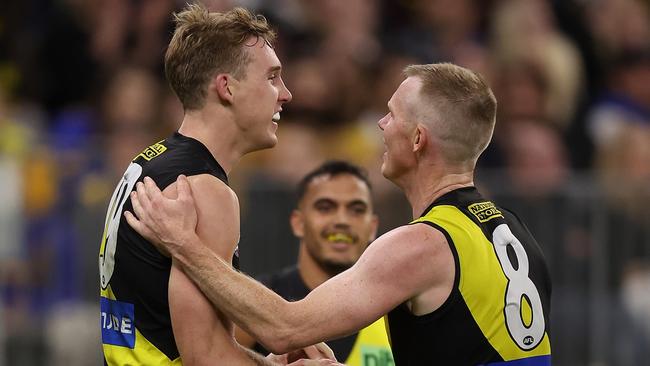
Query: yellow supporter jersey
(369,347)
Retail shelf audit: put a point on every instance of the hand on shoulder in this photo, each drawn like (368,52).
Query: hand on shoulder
(167,219)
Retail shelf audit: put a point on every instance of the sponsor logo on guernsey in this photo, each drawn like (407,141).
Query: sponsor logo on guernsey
(117,322)
(376,356)
(152,151)
(484,211)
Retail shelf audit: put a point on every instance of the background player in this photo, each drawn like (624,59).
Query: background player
(335,222)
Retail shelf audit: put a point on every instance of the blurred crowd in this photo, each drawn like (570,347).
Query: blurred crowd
(82,91)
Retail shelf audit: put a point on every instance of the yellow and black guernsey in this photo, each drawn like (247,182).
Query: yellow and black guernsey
(498,310)
(368,347)
(135,319)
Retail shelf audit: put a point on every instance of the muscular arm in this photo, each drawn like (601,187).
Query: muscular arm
(412,263)
(398,266)
(203,335)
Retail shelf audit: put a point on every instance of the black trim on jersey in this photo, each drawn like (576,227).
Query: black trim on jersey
(289,284)
(141,274)
(412,335)
(452,198)
(454,292)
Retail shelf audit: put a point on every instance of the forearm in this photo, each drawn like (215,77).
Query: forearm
(253,307)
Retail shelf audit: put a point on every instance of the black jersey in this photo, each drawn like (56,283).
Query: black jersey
(498,309)
(368,347)
(134,275)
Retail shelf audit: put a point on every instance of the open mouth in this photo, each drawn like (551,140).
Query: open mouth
(276,117)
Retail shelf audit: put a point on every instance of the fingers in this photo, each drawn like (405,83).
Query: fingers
(137,225)
(322,362)
(141,199)
(325,350)
(133,221)
(315,352)
(318,351)
(147,196)
(311,352)
(136,202)
(152,189)
(184,188)
(142,208)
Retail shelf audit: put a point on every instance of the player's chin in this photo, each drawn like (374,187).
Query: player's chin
(338,263)
(385,171)
(266,142)
(270,133)
(270,141)
(273,135)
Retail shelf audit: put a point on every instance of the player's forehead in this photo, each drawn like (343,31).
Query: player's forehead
(340,187)
(263,56)
(406,99)
(408,89)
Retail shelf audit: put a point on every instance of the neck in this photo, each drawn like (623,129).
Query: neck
(214,128)
(424,186)
(311,272)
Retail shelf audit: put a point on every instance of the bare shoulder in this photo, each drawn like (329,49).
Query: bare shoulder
(413,257)
(217,207)
(208,187)
(413,240)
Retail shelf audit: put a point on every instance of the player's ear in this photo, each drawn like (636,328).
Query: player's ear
(419,137)
(297,223)
(223,86)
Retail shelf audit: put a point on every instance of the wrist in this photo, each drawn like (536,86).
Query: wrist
(186,248)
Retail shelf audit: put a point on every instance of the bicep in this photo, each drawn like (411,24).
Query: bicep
(346,303)
(395,268)
(201,335)
(218,215)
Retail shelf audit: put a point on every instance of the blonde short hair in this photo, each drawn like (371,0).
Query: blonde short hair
(205,44)
(459,105)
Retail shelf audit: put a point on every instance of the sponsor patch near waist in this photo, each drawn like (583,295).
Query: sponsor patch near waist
(376,356)
(530,361)
(117,322)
